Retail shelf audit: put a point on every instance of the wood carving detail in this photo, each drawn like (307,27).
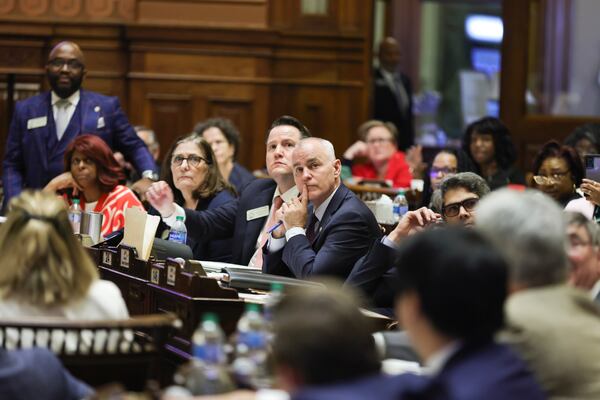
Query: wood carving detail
(7,6)
(100,8)
(33,7)
(127,9)
(67,8)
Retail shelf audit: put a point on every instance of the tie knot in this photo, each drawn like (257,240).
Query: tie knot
(277,202)
(63,103)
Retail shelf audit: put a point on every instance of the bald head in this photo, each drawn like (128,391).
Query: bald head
(69,47)
(321,145)
(389,54)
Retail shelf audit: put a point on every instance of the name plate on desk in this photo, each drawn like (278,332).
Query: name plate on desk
(107,257)
(127,256)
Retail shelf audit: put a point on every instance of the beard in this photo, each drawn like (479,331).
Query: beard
(64,90)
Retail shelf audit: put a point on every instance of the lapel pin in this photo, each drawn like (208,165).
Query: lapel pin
(97,109)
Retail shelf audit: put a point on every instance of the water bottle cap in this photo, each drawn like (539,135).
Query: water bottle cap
(75,201)
(252,307)
(276,287)
(179,218)
(209,316)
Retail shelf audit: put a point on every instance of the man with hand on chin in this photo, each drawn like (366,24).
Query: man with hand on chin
(328,236)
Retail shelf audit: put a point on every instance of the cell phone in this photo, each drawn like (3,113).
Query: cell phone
(592,166)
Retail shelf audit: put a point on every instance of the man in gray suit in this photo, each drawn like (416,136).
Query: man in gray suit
(584,253)
(555,327)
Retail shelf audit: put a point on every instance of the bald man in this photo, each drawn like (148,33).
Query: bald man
(327,228)
(42,126)
(392,93)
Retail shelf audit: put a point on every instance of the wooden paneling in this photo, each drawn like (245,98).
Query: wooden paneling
(175,63)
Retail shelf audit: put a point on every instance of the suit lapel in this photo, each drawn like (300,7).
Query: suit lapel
(334,205)
(254,227)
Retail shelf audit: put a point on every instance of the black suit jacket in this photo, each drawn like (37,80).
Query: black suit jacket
(345,232)
(231,220)
(386,107)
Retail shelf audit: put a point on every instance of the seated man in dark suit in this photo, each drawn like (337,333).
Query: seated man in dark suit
(372,274)
(450,297)
(247,218)
(37,374)
(340,226)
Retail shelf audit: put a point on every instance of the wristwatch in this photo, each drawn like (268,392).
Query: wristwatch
(153,176)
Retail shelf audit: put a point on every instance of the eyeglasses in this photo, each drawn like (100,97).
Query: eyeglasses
(86,161)
(551,179)
(379,140)
(444,171)
(452,210)
(59,63)
(193,160)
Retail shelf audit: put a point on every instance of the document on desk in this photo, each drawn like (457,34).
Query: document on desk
(140,229)
(217,266)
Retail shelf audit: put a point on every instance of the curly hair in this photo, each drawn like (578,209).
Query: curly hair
(109,172)
(214,181)
(504,149)
(567,153)
(43,263)
(226,126)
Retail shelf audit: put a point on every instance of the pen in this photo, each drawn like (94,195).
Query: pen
(277,225)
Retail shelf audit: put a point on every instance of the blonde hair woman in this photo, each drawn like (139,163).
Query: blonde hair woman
(45,270)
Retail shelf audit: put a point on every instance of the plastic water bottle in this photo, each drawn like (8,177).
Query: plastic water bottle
(251,354)
(178,231)
(75,216)
(268,309)
(400,206)
(208,374)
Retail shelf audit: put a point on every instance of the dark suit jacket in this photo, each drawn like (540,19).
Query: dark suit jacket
(375,275)
(37,374)
(35,156)
(231,220)
(347,229)
(240,177)
(387,108)
(487,371)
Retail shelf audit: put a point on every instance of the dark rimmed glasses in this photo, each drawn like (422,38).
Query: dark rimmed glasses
(452,210)
(192,160)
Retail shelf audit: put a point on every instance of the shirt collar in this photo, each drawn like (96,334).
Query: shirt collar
(72,99)
(287,196)
(320,211)
(435,363)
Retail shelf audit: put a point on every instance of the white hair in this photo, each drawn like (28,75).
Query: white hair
(326,145)
(529,229)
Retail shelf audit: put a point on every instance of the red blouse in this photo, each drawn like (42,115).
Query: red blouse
(398,171)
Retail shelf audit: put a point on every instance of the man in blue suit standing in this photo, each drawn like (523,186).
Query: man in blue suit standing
(43,126)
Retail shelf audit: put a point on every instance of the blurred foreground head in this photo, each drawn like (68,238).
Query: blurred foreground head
(321,337)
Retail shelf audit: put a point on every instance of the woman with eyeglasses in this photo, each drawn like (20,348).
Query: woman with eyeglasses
(191,169)
(378,145)
(487,142)
(93,175)
(558,171)
(447,162)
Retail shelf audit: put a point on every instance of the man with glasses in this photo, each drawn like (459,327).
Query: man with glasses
(460,194)
(43,126)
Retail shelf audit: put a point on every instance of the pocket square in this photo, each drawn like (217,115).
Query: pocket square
(100,123)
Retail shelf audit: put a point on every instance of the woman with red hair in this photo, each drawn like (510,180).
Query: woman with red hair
(94,174)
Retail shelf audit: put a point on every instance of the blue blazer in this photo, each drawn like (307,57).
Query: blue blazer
(240,177)
(37,374)
(231,220)
(346,231)
(487,371)
(34,155)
